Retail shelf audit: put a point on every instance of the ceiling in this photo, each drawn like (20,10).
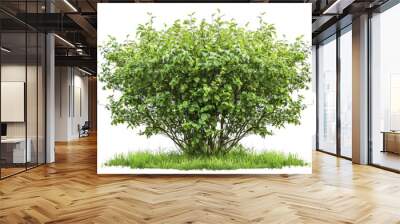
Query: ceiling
(75,21)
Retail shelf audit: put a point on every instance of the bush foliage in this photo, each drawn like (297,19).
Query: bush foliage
(206,85)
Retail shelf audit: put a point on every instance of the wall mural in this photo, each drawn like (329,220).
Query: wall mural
(202,89)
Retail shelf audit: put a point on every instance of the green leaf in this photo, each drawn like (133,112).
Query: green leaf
(202,82)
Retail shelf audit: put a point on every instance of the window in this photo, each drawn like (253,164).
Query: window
(346,92)
(327,95)
(385,89)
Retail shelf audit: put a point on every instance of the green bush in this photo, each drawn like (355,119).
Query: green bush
(206,85)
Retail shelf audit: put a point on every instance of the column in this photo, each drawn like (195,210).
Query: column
(360,90)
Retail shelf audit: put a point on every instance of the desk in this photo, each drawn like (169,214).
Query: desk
(391,141)
(17,150)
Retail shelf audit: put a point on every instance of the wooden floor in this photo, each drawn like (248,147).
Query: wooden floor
(70,191)
(387,159)
(10,171)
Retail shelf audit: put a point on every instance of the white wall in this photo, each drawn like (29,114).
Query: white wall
(70,83)
(34,125)
(61,103)
(80,84)
(13,101)
(15,73)
(12,73)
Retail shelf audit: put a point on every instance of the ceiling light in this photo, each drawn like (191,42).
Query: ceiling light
(64,40)
(80,51)
(338,6)
(70,5)
(5,50)
(84,71)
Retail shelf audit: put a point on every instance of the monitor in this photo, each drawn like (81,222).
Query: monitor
(3,129)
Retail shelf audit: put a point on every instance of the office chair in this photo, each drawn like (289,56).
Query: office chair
(84,130)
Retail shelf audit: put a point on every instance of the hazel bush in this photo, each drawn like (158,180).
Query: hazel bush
(206,85)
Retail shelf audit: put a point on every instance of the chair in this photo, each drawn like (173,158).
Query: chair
(84,130)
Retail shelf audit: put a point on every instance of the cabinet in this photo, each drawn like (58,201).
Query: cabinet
(391,141)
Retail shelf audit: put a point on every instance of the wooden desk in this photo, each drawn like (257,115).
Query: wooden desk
(13,150)
(391,141)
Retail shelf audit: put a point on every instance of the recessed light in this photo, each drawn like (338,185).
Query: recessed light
(64,40)
(338,6)
(84,71)
(5,50)
(70,5)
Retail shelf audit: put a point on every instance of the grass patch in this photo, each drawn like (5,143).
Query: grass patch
(238,158)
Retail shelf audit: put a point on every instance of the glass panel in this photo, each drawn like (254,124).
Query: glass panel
(13,89)
(31,86)
(41,99)
(346,93)
(327,96)
(22,89)
(386,89)
(32,95)
(313,80)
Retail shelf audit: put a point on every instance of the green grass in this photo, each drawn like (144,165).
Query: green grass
(239,158)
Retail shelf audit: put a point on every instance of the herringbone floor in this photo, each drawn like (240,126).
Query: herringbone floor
(70,191)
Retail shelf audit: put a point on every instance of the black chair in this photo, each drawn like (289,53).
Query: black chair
(84,130)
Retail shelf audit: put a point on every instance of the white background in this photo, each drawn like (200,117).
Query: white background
(120,20)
